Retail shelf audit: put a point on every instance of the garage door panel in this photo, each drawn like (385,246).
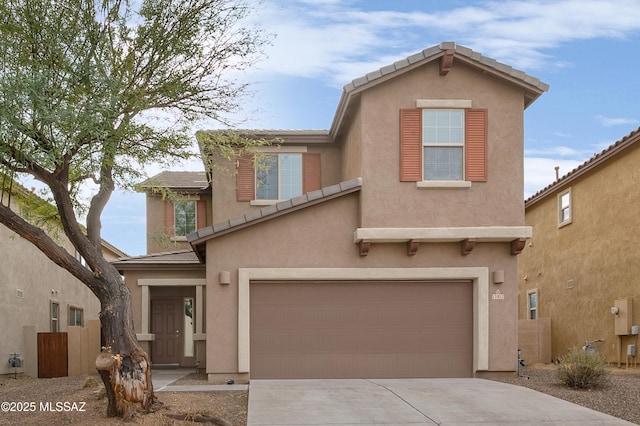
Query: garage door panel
(361,329)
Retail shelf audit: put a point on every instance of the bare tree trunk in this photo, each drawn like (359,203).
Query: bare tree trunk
(123,365)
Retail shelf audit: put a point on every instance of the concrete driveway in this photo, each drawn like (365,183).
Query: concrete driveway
(410,402)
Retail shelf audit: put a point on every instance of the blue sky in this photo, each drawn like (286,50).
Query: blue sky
(588,51)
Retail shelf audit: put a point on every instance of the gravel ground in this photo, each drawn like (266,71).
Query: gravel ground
(619,397)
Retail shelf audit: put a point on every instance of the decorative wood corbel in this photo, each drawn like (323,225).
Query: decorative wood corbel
(517,246)
(412,247)
(467,245)
(364,247)
(446,61)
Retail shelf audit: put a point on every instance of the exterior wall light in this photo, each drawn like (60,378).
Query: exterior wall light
(224,277)
(615,310)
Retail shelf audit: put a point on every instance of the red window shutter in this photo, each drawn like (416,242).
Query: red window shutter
(245,179)
(310,172)
(476,145)
(410,145)
(169,215)
(201,214)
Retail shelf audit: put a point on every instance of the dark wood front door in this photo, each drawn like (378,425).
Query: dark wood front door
(166,324)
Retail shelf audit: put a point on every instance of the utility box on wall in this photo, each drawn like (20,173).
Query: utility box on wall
(624,317)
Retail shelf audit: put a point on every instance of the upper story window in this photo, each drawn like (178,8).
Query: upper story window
(565,215)
(184,217)
(279,177)
(443,144)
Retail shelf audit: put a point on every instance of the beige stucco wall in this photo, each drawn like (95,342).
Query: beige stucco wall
(23,267)
(157,239)
(496,202)
(224,180)
(597,251)
(162,282)
(322,237)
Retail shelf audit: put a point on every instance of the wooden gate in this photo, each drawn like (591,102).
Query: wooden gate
(52,355)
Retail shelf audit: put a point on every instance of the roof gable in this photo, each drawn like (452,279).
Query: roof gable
(448,53)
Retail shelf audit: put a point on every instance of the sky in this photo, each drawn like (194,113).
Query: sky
(588,51)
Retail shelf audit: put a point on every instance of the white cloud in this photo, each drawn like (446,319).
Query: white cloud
(338,41)
(539,172)
(615,121)
(556,151)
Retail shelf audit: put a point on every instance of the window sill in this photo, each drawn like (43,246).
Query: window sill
(565,223)
(179,238)
(263,202)
(443,184)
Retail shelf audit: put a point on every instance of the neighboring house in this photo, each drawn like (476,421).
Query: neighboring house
(385,246)
(582,260)
(37,293)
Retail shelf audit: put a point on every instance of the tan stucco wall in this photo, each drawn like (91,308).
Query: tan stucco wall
(224,180)
(597,250)
(157,239)
(496,202)
(322,237)
(24,267)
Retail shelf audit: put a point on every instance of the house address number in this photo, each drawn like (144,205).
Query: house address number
(497,295)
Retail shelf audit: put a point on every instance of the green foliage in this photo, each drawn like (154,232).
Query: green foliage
(92,90)
(583,370)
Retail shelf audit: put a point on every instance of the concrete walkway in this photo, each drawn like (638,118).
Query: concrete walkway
(162,379)
(411,402)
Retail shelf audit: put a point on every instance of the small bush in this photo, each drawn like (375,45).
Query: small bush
(583,370)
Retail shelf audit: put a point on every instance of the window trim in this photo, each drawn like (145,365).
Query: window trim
(534,309)
(69,316)
(560,208)
(460,145)
(54,322)
(177,237)
(269,201)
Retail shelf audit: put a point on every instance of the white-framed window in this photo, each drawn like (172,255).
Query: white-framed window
(443,144)
(76,316)
(184,217)
(81,259)
(279,176)
(532,304)
(565,210)
(55,316)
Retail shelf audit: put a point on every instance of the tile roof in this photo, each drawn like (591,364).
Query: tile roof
(200,236)
(460,52)
(588,165)
(173,259)
(177,180)
(532,86)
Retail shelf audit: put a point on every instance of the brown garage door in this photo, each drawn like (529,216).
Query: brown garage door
(361,329)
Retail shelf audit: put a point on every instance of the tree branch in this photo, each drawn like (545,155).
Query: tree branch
(50,249)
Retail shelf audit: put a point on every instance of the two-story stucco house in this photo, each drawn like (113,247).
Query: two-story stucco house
(37,295)
(578,275)
(385,246)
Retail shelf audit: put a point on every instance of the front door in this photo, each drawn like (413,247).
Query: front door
(166,324)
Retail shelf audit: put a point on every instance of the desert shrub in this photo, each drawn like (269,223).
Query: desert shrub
(583,370)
